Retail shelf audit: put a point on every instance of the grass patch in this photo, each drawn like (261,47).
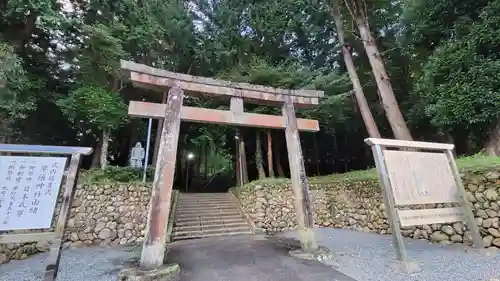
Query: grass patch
(474,163)
(478,162)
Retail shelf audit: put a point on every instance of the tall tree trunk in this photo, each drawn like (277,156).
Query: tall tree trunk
(279,168)
(96,157)
(391,107)
(104,148)
(336,154)
(316,155)
(205,154)
(4,129)
(238,159)
(197,166)
(159,127)
(493,144)
(366,114)
(258,158)
(244,165)
(270,154)
(184,167)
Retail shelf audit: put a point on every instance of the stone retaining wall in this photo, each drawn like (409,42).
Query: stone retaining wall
(111,214)
(359,206)
(101,214)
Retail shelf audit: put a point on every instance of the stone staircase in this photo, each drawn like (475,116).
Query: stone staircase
(200,215)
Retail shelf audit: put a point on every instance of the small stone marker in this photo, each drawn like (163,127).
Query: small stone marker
(29,190)
(414,179)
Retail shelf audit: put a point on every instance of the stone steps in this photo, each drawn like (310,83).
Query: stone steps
(207,215)
(197,236)
(217,225)
(187,210)
(207,222)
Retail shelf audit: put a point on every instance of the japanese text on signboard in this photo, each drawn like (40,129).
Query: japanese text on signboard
(29,187)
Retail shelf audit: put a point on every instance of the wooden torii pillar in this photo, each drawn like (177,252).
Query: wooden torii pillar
(173,112)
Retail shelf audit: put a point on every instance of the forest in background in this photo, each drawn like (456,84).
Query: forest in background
(60,82)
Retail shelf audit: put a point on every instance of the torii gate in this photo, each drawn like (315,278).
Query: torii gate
(173,112)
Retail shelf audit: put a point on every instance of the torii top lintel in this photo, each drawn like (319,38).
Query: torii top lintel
(159,79)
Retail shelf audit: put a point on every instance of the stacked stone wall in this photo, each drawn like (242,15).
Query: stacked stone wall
(358,205)
(101,214)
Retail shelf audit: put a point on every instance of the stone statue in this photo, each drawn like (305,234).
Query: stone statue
(136,156)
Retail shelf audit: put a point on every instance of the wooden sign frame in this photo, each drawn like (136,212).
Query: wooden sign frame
(71,175)
(398,217)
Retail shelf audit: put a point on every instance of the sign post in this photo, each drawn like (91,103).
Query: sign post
(29,192)
(412,179)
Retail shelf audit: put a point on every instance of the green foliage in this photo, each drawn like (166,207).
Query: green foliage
(333,111)
(441,55)
(460,80)
(117,174)
(15,101)
(100,56)
(95,106)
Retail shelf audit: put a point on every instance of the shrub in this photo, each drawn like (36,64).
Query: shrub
(117,174)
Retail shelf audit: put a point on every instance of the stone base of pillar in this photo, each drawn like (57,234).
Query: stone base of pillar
(321,254)
(168,272)
(408,267)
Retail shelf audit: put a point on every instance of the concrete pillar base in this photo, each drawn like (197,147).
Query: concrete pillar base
(168,272)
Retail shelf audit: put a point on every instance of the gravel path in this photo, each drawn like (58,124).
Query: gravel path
(365,257)
(86,264)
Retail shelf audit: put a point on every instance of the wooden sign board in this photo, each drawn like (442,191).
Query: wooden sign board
(29,191)
(415,178)
(420,177)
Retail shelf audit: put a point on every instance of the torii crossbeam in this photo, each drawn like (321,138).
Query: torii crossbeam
(173,112)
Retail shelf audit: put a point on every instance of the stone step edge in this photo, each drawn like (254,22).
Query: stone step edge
(213,230)
(177,238)
(210,226)
(203,197)
(207,216)
(191,195)
(203,194)
(183,197)
(204,209)
(207,222)
(204,202)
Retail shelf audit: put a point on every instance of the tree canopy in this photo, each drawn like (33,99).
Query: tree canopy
(60,81)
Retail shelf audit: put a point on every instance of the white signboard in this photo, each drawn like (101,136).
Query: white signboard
(29,187)
(420,177)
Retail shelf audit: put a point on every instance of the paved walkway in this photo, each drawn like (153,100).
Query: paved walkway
(236,258)
(245,258)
